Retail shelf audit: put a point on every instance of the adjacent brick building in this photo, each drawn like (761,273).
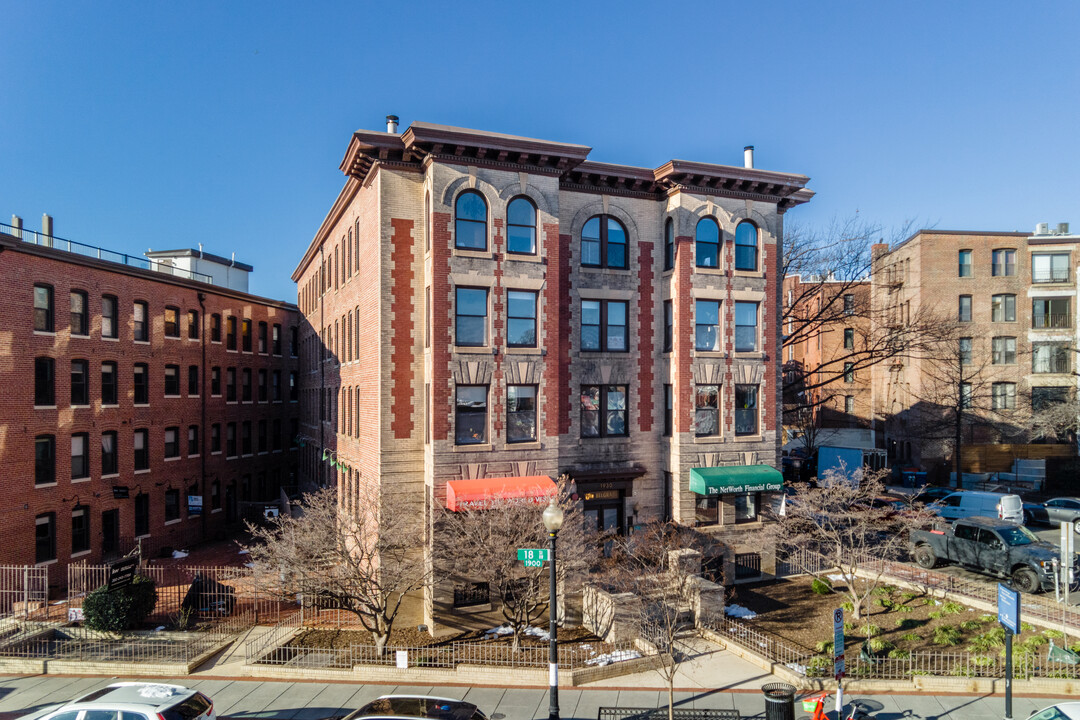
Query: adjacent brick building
(134,392)
(483,306)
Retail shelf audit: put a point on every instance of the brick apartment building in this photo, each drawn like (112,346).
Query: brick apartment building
(483,311)
(136,391)
(1014,296)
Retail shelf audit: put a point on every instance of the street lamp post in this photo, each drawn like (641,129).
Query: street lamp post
(553,520)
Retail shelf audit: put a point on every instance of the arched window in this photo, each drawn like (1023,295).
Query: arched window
(521,226)
(707,243)
(470,221)
(746,246)
(669,244)
(603,242)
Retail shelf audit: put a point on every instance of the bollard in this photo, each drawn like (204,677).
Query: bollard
(779,701)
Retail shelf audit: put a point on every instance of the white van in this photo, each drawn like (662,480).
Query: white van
(986,504)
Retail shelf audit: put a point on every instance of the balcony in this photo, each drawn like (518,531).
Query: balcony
(1059,275)
(1047,321)
(51,241)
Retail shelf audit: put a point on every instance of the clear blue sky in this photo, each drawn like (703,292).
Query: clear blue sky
(153,124)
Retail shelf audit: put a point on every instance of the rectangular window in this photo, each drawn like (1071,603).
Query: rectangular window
(669,245)
(849,373)
(80,319)
(172,380)
(707,510)
(965,351)
(707,325)
(141,446)
(43,308)
(1051,313)
(965,396)
(193,324)
(849,404)
(215,328)
(230,439)
(215,495)
(215,381)
(1003,308)
(471,321)
(110,328)
(1003,396)
(965,263)
(294,386)
(603,411)
(140,313)
(669,403)
(1003,263)
(1004,351)
(80,530)
(44,382)
(262,439)
(172,505)
(45,538)
(142,515)
(964,313)
(44,460)
(427,316)
(215,438)
(746,410)
(1050,268)
(520,413)
(80,382)
(276,339)
(264,386)
(109,458)
(245,437)
(294,341)
(172,442)
(604,325)
(470,417)
(80,457)
(230,385)
(521,318)
(230,333)
(707,410)
(746,507)
(849,338)
(262,337)
(192,440)
(849,304)
(276,386)
(245,333)
(746,317)
(172,322)
(245,385)
(193,381)
(1050,357)
(669,326)
(276,440)
(109,384)
(746,246)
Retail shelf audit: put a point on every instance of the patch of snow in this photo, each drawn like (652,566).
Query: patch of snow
(159,628)
(586,647)
(801,669)
(738,611)
(613,657)
(178,554)
(503,630)
(243,552)
(249,565)
(837,577)
(156,692)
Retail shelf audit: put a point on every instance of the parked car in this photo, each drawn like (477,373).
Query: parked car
(417,707)
(1052,512)
(137,701)
(971,503)
(989,545)
(932,493)
(1061,711)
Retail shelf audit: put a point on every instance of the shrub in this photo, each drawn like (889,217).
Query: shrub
(849,627)
(969,625)
(821,587)
(987,618)
(870,629)
(824,647)
(948,635)
(908,596)
(1024,627)
(120,609)
(899,654)
(907,623)
(819,665)
(911,637)
(990,640)
(1054,634)
(884,603)
(935,615)
(885,590)
(879,646)
(952,608)
(847,606)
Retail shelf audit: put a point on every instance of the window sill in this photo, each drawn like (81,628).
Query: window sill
(611,439)
(172,337)
(748,438)
(79,554)
(705,439)
(472,349)
(710,354)
(231,457)
(193,397)
(76,481)
(530,445)
(479,447)
(110,476)
(710,271)
(525,257)
(216,452)
(141,342)
(44,407)
(144,471)
(525,351)
(598,269)
(81,406)
(46,485)
(45,563)
(172,459)
(748,274)
(142,537)
(110,339)
(172,522)
(190,457)
(45,333)
(749,355)
(169,397)
(109,406)
(141,405)
(469,253)
(215,510)
(77,336)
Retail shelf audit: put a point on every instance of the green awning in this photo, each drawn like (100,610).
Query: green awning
(735,479)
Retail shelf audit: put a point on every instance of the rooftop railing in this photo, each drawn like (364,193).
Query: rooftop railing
(36,238)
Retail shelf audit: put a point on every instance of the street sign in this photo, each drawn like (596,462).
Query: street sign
(1009,609)
(122,572)
(838,643)
(533,557)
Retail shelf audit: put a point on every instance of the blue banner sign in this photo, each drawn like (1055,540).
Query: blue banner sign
(1009,608)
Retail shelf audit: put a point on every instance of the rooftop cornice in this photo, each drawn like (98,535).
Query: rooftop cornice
(728,180)
(474,147)
(612,179)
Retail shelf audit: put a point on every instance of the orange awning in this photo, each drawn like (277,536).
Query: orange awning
(462,494)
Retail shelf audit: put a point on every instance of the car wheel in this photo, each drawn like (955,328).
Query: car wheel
(1027,518)
(1076,525)
(925,557)
(1026,580)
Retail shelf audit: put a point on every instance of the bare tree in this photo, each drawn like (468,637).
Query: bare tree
(481,544)
(842,524)
(365,558)
(662,566)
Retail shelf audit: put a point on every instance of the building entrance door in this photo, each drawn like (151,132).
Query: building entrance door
(110,533)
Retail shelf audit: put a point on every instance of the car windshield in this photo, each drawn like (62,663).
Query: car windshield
(1051,713)
(1018,535)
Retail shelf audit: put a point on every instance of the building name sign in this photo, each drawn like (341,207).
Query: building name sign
(751,488)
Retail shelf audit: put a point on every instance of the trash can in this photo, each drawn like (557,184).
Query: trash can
(779,701)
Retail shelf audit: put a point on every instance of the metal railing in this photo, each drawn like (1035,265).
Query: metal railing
(24,591)
(81,644)
(1042,321)
(1026,665)
(760,642)
(36,238)
(1050,276)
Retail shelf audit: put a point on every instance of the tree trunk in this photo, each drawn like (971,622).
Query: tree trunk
(671,691)
(958,442)
(856,611)
(380,642)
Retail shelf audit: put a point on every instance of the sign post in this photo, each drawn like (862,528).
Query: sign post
(1068,549)
(533,557)
(838,658)
(1009,617)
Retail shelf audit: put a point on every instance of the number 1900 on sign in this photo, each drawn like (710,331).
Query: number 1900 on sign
(532,557)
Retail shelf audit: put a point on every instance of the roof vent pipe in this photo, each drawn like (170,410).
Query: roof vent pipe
(748,156)
(16,225)
(391,124)
(47,229)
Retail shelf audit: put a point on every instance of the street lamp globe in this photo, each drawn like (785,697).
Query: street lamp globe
(553,517)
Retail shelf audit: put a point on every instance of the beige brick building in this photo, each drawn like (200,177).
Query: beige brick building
(482,308)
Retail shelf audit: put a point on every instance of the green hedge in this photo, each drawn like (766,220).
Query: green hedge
(120,609)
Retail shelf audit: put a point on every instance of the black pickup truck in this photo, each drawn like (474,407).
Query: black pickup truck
(991,546)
